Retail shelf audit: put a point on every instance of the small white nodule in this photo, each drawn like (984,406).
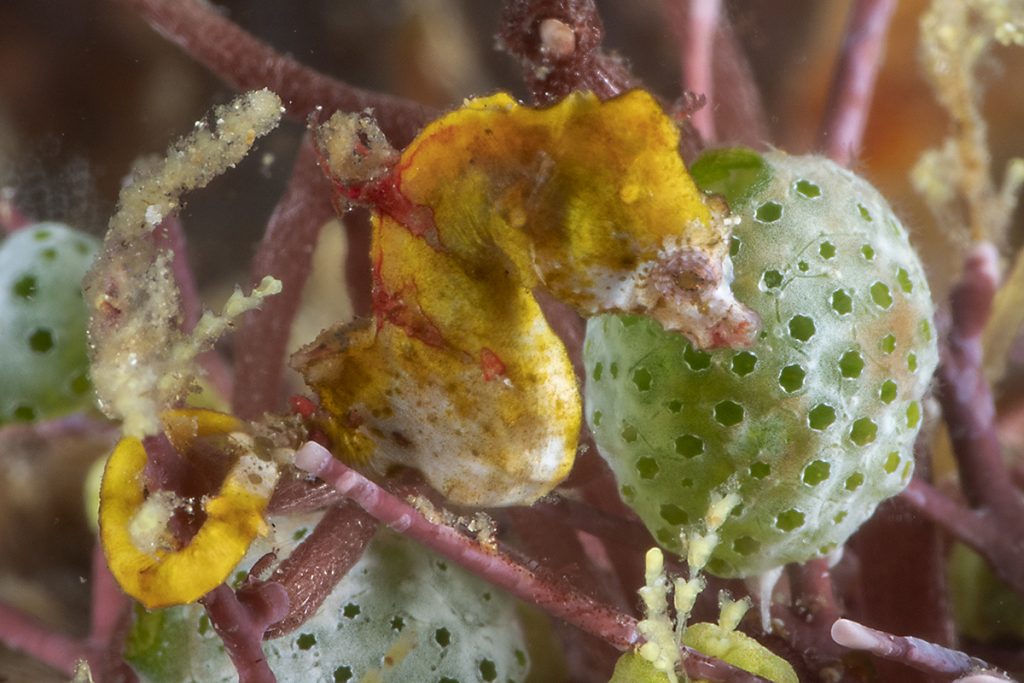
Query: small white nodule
(312,457)
(557,39)
(983,677)
(852,635)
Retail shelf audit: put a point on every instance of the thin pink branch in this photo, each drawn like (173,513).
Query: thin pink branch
(604,525)
(814,608)
(587,658)
(715,64)
(914,652)
(103,647)
(358,270)
(740,117)
(993,525)
(853,84)
(323,558)
(558,45)
(171,236)
(568,325)
(24,633)
(563,602)
(242,623)
(11,217)
(286,252)
(247,63)
(966,396)
(905,597)
(999,541)
(73,425)
(109,623)
(961,522)
(554,597)
(703,17)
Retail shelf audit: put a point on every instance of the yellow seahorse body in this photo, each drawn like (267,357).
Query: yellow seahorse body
(459,374)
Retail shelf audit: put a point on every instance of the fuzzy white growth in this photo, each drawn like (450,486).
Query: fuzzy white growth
(763,585)
(141,360)
(984,678)
(355,146)
(256,475)
(148,528)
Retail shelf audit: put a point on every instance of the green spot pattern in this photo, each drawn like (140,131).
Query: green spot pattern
(804,421)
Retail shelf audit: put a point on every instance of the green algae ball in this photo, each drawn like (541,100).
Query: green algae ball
(400,614)
(814,424)
(43,359)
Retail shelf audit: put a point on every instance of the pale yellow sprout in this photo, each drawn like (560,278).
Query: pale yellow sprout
(661,648)
(82,673)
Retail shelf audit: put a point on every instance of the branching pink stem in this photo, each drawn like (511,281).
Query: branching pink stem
(247,63)
(967,401)
(996,540)
(358,271)
(561,601)
(555,597)
(962,523)
(24,633)
(286,252)
(853,85)
(102,649)
(905,597)
(914,652)
(969,409)
(323,558)
(698,53)
(241,625)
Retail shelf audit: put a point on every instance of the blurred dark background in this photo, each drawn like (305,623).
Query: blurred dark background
(86,88)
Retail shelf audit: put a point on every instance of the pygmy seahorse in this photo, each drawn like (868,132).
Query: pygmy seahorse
(458,373)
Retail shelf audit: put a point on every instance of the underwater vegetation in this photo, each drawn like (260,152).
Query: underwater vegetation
(570,376)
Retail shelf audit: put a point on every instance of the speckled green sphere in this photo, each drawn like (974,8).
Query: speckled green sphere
(400,614)
(43,360)
(814,424)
